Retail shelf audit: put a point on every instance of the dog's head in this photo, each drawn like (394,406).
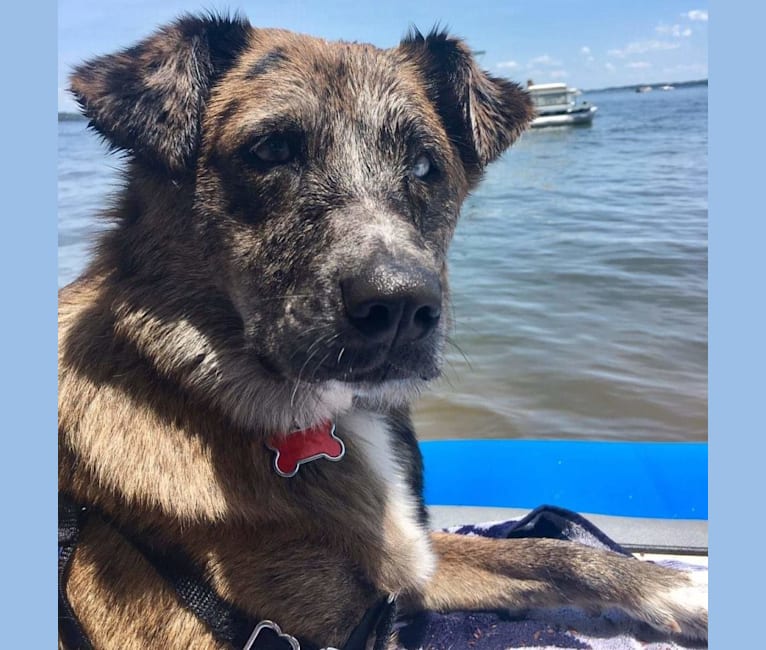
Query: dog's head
(318,187)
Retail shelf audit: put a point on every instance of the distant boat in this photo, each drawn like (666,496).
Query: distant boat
(643,89)
(667,87)
(556,105)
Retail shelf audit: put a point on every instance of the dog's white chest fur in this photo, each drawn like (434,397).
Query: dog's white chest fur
(403,532)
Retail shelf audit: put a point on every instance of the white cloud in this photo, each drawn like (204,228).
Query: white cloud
(642,47)
(674,30)
(638,65)
(543,60)
(510,65)
(696,14)
(585,51)
(610,66)
(697,69)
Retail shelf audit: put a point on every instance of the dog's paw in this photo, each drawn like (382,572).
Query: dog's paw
(681,609)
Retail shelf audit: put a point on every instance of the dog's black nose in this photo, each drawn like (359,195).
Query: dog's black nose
(386,301)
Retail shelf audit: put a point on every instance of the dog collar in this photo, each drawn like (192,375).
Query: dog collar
(304,445)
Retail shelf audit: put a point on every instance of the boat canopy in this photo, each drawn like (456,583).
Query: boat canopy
(547,88)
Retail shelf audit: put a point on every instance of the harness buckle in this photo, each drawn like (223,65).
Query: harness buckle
(270,628)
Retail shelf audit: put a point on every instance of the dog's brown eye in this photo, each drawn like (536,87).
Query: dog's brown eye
(274,150)
(422,166)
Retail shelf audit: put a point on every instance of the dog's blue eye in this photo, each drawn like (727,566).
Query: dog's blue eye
(274,150)
(422,166)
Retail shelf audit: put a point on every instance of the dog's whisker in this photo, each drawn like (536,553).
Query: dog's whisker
(298,379)
(328,340)
(319,365)
(316,368)
(323,339)
(315,341)
(446,376)
(284,296)
(450,341)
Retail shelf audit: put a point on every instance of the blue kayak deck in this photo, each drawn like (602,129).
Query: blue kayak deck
(662,480)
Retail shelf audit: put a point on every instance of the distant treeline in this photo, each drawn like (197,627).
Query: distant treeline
(72,117)
(675,84)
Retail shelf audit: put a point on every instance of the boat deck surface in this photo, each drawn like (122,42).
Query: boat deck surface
(684,540)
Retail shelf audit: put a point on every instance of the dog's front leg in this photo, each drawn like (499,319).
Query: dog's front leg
(479,573)
(313,584)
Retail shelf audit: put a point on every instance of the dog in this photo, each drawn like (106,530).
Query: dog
(237,362)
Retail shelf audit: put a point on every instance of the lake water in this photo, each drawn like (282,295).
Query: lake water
(579,276)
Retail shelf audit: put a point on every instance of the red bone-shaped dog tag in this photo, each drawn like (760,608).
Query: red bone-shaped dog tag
(303,446)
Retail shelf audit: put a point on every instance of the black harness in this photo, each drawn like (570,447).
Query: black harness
(227,622)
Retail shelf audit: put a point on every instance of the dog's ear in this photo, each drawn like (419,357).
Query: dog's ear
(149,99)
(483,114)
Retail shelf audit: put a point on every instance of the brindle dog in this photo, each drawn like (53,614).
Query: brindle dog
(278,261)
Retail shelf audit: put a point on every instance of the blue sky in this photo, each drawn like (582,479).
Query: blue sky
(588,44)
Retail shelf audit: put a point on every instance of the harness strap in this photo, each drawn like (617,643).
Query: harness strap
(227,622)
(378,620)
(71,520)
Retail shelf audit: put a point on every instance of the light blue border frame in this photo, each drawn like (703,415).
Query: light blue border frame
(737,354)
(28,324)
